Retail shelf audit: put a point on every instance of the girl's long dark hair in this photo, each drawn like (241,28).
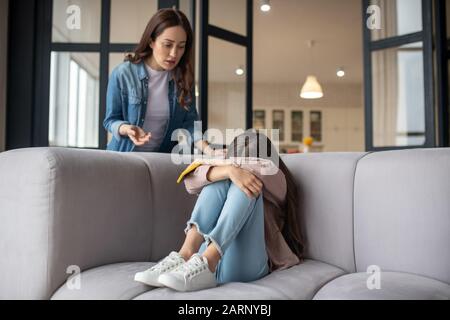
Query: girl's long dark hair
(249,144)
(184,72)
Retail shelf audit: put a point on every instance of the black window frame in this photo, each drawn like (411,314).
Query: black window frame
(207,30)
(34,103)
(442,63)
(426,37)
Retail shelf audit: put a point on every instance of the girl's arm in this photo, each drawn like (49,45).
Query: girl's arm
(207,174)
(273,179)
(218,173)
(196,180)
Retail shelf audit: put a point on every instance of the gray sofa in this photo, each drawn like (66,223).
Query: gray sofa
(113,214)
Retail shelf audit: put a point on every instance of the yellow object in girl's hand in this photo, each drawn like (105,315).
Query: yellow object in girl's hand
(194,165)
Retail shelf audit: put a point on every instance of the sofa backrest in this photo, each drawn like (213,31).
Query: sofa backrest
(64,207)
(325,186)
(171,206)
(325,190)
(402,212)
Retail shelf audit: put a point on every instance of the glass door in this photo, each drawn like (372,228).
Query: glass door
(225,67)
(398,74)
(80,42)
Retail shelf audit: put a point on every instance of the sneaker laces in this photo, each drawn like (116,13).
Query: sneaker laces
(163,265)
(192,266)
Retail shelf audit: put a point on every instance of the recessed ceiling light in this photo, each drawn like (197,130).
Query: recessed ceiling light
(265,6)
(340,72)
(240,71)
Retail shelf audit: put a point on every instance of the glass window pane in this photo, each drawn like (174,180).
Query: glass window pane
(259,119)
(129,19)
(74,100)
(226,89)
(230,15)
(114,60)
(397,17)
(186,7)
(297,126)
(278,122)
(76,21)
(315,118)
(398,96)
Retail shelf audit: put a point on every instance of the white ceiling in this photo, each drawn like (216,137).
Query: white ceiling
(281,53)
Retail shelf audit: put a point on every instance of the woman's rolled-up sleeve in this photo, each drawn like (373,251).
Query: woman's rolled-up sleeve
(114,115)
(189,123)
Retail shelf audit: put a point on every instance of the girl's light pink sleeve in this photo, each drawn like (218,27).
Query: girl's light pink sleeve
(196,180)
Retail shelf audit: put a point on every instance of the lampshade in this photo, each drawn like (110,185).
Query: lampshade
(311,89)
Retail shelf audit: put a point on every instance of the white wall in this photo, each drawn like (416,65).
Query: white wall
(226,103)
(3,56)
(342,110)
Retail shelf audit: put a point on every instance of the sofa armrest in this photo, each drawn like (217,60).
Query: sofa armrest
(61,207)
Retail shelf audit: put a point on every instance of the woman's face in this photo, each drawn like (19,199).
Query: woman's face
(168,48)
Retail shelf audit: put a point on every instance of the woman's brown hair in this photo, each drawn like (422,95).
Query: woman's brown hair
(255,144)
(183,74)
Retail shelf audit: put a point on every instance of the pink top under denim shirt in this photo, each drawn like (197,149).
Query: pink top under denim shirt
(274,196)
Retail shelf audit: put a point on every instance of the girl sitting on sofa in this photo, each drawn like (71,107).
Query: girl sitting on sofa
(244,224)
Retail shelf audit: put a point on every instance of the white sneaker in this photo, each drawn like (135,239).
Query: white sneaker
(191,276)
(169,263)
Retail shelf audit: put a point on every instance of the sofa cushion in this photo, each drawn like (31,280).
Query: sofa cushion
(393,286)
(402,212)
(299,282)
(109,282)
(325,193)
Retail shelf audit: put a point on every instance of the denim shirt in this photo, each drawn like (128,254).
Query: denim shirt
(126,103)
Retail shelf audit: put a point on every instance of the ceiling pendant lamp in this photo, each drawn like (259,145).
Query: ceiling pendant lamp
(311,88)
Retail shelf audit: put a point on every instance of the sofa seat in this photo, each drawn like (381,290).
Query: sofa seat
(115,281)
(393,286)
(298,283)
(109,282)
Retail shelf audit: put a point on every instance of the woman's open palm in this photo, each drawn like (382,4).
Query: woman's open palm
(138,135)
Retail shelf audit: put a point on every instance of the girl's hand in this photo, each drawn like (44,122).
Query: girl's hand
(246,181)
(137,135)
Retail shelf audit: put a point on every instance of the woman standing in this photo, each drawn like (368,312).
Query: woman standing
(150,94)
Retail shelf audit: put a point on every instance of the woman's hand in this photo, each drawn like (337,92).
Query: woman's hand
(221,153)
(136,134)
(246,181)
(215,153)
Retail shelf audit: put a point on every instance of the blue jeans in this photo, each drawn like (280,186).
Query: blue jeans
(234,224)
